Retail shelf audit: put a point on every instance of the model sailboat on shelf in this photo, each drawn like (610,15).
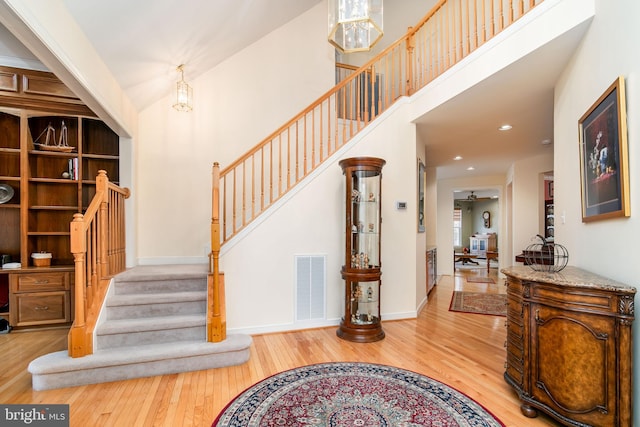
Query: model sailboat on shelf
(50,144)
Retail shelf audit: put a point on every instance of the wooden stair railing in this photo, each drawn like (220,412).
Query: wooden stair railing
(98,248)
(448,33)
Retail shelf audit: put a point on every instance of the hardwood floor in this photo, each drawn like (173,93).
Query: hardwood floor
(465,351)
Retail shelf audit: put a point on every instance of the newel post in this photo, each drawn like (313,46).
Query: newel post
(77,339)
(102,187)
(216,323)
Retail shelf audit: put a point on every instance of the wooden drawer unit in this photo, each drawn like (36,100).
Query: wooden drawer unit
(569,345)
(42,308)
(40,298)
(58,281)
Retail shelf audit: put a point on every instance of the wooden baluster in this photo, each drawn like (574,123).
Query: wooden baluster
(330,150)
(262,179)
(460,31)
(253,186)
(234,207)
(467,31)
(447,26)
(297,144)
(304,142)
(224,208)
(279,189)
(410,59)
(492,20)
(102,187)
(510,12)
(475,23)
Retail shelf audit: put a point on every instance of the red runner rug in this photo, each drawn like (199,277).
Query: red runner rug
(479,303)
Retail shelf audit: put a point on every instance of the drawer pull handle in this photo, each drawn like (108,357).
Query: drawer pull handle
(42,307)
(41,282)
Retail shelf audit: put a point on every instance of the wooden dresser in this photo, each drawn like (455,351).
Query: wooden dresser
(569,345)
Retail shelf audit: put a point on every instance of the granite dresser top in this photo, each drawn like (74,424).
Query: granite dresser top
(570,276)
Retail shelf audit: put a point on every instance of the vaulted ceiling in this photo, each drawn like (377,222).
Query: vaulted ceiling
(142,42)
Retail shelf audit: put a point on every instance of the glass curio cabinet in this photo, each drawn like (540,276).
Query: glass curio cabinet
(361,270)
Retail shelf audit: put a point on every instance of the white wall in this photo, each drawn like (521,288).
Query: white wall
(527,203)
(607,247)
(236,105)
(421,238)
(259,266)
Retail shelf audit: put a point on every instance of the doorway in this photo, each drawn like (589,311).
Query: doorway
(475,228)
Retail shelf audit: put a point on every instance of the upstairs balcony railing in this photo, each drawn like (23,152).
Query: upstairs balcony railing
(452,30)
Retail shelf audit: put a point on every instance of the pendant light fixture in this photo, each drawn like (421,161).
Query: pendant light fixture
(355,25)
(184,93)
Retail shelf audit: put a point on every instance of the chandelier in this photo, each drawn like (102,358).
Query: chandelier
(184,93)
(355,25)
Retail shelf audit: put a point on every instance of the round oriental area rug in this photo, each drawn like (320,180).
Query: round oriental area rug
(353,394)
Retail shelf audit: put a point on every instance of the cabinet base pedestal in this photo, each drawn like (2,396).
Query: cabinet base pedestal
(528,411)
(366,334)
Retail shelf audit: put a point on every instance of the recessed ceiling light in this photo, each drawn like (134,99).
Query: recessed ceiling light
(457,158)
(505,127)
(470,168)
(545,142)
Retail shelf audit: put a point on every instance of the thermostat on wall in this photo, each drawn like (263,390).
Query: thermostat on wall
(401,205)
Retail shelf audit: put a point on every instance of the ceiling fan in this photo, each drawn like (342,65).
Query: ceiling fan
(474,198)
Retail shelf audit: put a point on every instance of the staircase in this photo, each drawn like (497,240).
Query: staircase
(153,323)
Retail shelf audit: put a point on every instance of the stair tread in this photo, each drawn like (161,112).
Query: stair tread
(155,298)
(61,362)
(143,324)
(163,273)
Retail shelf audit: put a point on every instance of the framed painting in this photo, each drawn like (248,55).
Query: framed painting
(604,174)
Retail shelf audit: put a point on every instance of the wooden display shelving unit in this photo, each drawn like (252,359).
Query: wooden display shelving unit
(49,187)
(362,267)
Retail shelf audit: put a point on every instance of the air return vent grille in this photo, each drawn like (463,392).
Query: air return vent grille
(310,287)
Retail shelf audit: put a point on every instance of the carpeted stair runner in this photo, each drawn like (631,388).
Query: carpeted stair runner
(153,323)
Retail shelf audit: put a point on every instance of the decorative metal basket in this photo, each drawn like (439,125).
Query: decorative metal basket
(550,257)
